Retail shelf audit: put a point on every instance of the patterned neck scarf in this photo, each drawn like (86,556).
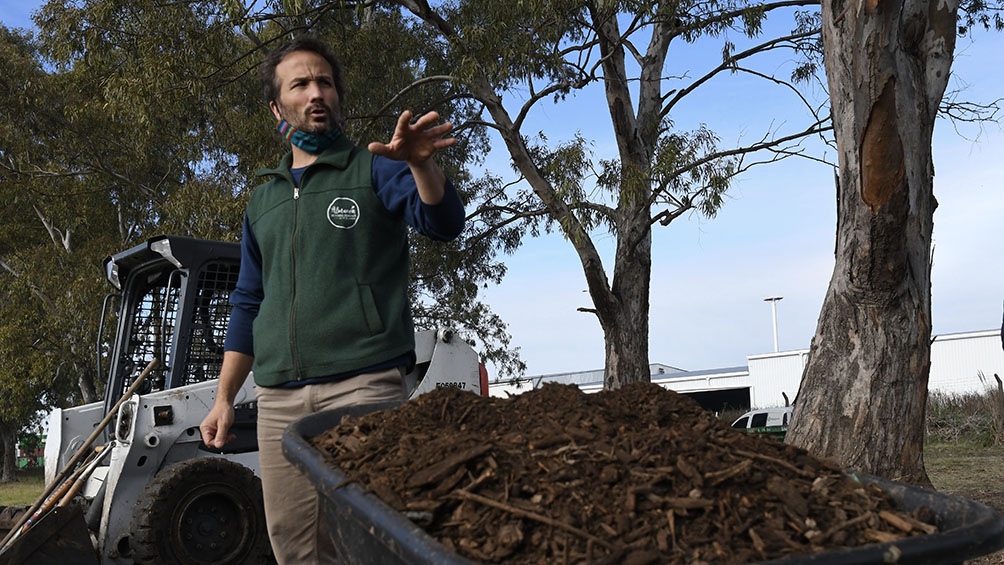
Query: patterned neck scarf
(311,143)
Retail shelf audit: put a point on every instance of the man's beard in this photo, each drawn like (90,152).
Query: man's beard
(304,122)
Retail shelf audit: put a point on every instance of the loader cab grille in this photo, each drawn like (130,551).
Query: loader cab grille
(175,311)
(151,323)
(208,325)
(183,324)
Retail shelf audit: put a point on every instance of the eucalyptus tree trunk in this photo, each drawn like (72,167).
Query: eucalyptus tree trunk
(8,465)
(622,308)
(863,396)
(626,326)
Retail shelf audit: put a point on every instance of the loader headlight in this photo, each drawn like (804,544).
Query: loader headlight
(123,428)
(112,273)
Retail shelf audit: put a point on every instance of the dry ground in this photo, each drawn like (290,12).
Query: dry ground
(972,472)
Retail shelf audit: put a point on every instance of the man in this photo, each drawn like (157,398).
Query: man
(321,312)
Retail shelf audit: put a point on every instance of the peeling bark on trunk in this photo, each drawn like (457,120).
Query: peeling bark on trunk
(863,396)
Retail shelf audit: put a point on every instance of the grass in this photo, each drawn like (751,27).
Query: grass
(972,470)
(25,491)
(964,466)
(964,453)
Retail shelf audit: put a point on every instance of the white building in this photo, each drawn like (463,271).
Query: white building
(960,363)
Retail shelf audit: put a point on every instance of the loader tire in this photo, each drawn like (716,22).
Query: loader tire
(204,510)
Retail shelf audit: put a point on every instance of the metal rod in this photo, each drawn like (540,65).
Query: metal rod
(68,468)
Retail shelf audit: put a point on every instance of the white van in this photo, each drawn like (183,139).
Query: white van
(770,421)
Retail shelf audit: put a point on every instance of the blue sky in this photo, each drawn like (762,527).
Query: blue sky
(774,236)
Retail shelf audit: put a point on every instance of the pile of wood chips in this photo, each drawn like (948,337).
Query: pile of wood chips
(633,476)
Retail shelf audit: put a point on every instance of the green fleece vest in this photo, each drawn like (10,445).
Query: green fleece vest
(334,271)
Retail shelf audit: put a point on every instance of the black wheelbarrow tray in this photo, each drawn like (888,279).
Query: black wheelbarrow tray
(365,530)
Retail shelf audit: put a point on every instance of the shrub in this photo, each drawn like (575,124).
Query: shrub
(969,417)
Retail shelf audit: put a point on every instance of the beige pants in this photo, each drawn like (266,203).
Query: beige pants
(291,502)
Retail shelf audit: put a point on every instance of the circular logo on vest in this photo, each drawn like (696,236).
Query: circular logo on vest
(343,213)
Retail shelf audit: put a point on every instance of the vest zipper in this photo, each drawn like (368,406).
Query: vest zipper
(292,310)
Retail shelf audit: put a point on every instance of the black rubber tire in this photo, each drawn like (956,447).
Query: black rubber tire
(204,510)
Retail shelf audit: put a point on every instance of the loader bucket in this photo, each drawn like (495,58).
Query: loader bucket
(60,536)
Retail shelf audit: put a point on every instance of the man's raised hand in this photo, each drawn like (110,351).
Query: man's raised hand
(415,142)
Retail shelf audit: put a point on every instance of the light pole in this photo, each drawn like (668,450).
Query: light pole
(773,312)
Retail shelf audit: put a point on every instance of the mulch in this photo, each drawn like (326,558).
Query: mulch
(633,476)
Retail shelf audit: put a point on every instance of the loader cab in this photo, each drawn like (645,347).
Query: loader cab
(173,305)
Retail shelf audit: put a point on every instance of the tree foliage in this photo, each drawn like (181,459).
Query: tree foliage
(122,120)
(23,387)
(514,58)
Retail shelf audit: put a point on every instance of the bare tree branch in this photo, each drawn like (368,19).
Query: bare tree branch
(731,65)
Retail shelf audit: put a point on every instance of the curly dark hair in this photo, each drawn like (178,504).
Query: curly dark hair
(269,83)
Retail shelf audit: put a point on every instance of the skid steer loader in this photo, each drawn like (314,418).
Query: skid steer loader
(149,490)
